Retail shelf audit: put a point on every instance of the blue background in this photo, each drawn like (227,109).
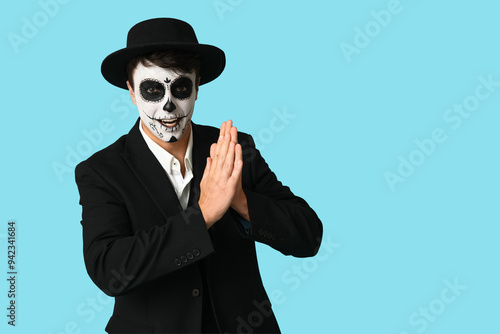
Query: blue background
(390,250)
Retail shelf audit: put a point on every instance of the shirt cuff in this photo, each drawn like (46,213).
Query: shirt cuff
(245,223)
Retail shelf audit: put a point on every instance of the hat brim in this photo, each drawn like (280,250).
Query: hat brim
(114,66)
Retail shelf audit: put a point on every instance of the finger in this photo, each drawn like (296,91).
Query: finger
(238,155)
(227,129)
(234,135)
(229,125)
(221,138)
(223,129)
(226,138)
(228,165)
(221,152)
(238,163)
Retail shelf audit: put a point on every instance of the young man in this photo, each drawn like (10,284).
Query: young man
(172,210)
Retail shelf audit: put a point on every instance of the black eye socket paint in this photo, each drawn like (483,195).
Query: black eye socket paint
(152,90)
(181,88)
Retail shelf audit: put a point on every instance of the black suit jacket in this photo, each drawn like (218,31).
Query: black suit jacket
(141,247)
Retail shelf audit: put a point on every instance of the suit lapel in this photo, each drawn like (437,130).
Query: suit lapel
(201,150)
(150,173)
(152,176)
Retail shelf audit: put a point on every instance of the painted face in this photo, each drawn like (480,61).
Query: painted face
(165,100)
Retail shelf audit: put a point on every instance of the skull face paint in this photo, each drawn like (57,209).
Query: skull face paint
(165,100)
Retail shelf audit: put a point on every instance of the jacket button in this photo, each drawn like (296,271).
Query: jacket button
(196,252)
(184,259)
(196,292)
(177,262)
(190,256)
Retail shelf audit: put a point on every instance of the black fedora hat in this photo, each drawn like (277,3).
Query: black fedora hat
(162,34)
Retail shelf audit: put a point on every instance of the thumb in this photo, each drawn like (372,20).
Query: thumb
(212,150)
(207,167)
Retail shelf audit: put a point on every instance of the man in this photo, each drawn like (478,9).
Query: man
(172,210)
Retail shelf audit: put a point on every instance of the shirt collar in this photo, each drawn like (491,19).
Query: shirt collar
(164,157)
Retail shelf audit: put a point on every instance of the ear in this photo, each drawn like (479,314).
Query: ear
(132,94)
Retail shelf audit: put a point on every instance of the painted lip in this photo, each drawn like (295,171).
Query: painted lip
(168,122)
(171,122)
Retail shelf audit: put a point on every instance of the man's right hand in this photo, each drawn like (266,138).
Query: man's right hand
(221,176)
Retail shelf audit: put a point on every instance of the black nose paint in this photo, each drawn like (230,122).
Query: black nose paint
(169,106)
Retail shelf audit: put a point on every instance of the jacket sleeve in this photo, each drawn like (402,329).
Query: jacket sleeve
(278,218)
(119,260)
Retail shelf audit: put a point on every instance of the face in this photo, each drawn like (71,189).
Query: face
(165,100)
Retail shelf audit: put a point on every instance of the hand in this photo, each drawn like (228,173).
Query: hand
(239,202)
(221,176)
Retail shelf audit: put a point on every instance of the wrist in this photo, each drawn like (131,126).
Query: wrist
(240,205)
(207,216)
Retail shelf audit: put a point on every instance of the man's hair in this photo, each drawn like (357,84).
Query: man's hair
(182,61)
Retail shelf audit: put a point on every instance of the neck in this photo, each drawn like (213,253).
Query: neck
(177,149)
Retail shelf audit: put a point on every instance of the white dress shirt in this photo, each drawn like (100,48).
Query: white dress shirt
(172,166)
